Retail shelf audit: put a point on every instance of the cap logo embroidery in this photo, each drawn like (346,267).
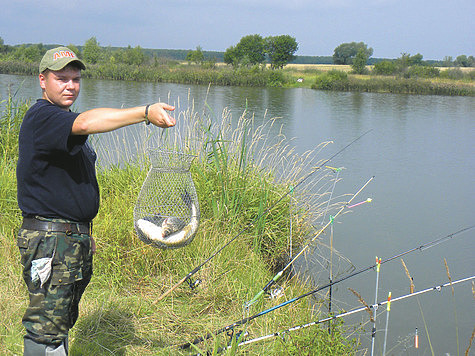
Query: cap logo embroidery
(62,54)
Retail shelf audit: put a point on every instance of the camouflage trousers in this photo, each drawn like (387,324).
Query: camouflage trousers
(54,300)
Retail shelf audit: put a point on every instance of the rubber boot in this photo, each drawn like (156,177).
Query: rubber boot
(56,351)
(32,348)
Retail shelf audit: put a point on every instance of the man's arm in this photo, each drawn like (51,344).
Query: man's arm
(105,119)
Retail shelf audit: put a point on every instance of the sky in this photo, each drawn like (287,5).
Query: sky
(433,28)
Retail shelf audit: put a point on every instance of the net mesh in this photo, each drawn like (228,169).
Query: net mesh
(167,213)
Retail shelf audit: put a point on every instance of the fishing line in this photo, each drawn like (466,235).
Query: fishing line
(331,276)
(354,311)
(278,275)
(197,268)
(252,317)
(337,170)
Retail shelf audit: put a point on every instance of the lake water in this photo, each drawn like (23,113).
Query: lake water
(421,151)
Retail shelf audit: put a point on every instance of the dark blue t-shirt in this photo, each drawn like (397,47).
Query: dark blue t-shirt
(56,175)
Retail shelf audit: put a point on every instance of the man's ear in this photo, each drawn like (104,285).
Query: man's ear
(42,79)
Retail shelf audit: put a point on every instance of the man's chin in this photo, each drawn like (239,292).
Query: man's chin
(67,103)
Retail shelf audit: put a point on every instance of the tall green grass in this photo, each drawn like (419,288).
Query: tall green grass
(240,169)
(12,291)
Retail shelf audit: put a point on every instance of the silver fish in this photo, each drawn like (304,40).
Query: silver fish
(172,231)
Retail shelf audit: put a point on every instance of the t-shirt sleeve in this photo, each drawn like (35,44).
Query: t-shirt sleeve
(53,131)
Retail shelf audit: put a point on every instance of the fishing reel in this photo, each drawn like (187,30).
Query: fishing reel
(275,293)
(193,284)
(238,336)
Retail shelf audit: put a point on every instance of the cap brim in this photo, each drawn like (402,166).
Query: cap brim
(60,64)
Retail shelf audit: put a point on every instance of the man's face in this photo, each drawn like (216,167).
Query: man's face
(61,87)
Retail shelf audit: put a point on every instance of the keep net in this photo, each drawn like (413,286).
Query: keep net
(168,200)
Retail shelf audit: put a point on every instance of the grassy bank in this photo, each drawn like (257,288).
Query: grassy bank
(171,72)
(342,81)
(453,81)
(236,177)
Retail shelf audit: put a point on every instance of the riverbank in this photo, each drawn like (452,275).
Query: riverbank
(454,82)
(119,313)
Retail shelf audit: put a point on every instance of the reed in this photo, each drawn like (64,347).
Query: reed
(467,351)
(362,301)
(235,176)
(418,303)
(455,306)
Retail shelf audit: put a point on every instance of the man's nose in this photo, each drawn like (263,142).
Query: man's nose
(70,84)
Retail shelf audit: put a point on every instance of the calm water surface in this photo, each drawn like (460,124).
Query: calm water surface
(421,151)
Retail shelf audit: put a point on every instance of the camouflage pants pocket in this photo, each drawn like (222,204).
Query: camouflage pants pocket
(53,307)
(34,246)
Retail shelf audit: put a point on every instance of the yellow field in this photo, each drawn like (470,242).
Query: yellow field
(347,68)
(321,67)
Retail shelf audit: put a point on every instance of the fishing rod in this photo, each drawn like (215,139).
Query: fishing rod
(388,309)
(197,268)
(252,317)
(373,330)
(279,274)
(354,311)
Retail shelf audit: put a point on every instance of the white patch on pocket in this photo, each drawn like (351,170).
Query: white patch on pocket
(41,270)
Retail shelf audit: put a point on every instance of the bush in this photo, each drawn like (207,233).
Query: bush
(385,68)
(332,80)
(423,72)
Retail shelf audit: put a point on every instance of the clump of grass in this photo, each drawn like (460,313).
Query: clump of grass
(240,170)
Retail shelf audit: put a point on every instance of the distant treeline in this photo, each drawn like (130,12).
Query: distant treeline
(217,56)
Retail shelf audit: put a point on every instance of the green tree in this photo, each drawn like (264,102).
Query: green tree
(346,52)
(231,56)
(4,49)
(26,53)
(91,52)
(359,63)
(281,50)
(448,61)
(251,50)
(415,60)
(195,56)
(403,62)
(133,56)
(464,61)
(75,49)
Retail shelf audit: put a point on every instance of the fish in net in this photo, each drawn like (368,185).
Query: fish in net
(167,212)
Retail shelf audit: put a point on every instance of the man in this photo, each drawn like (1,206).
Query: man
(58,195)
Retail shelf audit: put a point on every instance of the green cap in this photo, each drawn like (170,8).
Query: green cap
(58,58)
